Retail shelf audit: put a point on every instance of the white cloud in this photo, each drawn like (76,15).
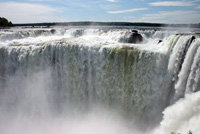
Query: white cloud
(127,10)
(28,13)
(112,0)
(172,3)
(198,7)
(178,16)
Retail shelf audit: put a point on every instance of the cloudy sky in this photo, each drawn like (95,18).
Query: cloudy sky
(161,11)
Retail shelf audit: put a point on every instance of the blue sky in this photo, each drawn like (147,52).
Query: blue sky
(160,11)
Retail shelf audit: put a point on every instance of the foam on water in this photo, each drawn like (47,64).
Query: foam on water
(182,116)
(89,37)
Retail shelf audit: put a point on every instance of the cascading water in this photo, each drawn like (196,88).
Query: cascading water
(78,80)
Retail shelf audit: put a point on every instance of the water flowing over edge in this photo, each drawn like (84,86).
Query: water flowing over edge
(94,67)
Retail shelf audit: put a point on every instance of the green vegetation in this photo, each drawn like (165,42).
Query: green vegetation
(4,22)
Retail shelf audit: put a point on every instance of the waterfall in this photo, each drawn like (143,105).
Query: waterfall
(47,73)
(181,117)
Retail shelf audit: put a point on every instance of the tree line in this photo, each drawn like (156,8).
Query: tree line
(4,22)
(89,23)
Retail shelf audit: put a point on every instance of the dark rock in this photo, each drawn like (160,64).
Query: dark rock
(159,41)
(132,37)
(135,38)
(193,38)
(78,33)
(134,31)
(53,31)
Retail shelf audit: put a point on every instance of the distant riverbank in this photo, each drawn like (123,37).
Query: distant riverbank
(88,23)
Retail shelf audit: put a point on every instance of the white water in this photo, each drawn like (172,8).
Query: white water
(183,116)
(92,37)
(87,81)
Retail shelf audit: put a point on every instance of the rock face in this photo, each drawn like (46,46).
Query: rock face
(78,33)
(159,41)
(135,37)
(53,31)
